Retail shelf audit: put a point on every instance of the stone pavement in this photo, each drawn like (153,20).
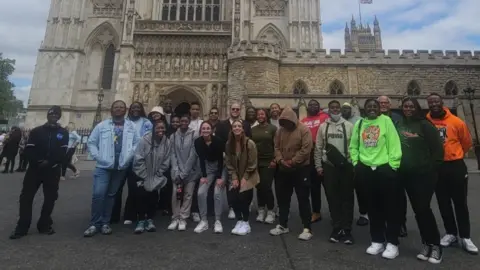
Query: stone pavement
(67,249)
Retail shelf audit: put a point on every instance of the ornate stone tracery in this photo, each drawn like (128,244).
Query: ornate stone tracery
(270,8)
(273,35)
(108,8)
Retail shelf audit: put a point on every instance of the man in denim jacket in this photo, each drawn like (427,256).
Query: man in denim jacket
(112,144)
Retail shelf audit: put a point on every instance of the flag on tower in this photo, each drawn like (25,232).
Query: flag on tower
(366,1)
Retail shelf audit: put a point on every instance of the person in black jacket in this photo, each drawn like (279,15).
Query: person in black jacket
(10,149)
(222,130)
(46,151)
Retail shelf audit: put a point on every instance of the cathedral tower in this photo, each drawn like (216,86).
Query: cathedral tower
(361,38)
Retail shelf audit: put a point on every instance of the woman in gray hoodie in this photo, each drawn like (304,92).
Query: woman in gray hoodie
(152,160)
(185,171)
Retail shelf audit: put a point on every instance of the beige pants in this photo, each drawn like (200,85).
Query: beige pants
(182,210)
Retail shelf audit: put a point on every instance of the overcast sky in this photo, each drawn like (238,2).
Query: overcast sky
(405,24)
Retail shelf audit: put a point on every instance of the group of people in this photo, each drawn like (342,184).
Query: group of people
(11,145)
(177,159)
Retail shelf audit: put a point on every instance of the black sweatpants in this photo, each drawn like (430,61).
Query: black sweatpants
(241,203)
(10,163)
(34,177)
(23,162)
(362,194)
(420,186)
(316,188)
(68,162)
(143,202)
(285,183)
(165,196)
(453,187)
(129,210)
(384,193)
(264,188)
(339,185)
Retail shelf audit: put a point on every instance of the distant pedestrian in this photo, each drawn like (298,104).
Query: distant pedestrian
(10,148)
(73,141)
(46,150)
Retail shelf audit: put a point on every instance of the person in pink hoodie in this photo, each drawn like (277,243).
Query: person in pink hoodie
(315,117)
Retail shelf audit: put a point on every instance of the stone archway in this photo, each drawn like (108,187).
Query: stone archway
(181,99)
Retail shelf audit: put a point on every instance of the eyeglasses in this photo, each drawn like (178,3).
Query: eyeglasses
(235,109)
(213,112)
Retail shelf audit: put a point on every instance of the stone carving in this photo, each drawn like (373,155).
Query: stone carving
(224,63)
(186,64)
(214,95)
(197,62)
(214,65)
(110,8)
(146,94)
(270,8)
(272,35)
(136,93)
(160,98)
(236,21)
(129,26)
(186,45)
(176,26)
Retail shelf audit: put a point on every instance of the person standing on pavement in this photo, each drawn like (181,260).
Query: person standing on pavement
(348,115)
(222,131)
(422,155)
(452,183)
(210,149)
(376,153)
(213,116)
(137,115)
(112,145)
(167,111)
(73,140)
(185,172)
(10,149)
(293,145)
(22,163)
(314,119)
(151,162)
(332,160)
(263,135)
(275,114)
(251,116)
(46,150)
(195,120)
(241,162)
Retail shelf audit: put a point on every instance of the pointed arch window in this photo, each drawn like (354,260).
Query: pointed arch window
(336,88)
(413,88)
(300,88)
(107,71)
(451,88)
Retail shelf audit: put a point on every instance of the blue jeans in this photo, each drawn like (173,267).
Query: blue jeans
(106,183)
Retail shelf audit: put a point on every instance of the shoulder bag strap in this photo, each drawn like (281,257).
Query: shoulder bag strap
(344,140)
(326,134)
(359,135)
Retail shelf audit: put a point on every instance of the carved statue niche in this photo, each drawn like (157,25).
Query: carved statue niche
(186,64)
(146,94)
(177,64)
(197,62)
(215,62)
(224,63)
(167,62)
(214,95)
(205,63)
(136,93)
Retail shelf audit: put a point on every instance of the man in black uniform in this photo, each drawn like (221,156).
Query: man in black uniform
(46,151)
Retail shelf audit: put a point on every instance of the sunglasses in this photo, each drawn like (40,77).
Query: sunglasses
(235,109)
(213,112)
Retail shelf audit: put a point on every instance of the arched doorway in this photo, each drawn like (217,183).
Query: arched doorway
(181,99)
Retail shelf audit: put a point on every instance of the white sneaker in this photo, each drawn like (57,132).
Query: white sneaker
(127,222)
(305,235)
(261,215)
(448,240)
(217,228)
(270,219)
(244,228)
(62,178)
(182,225)
(375,248)
(77,174)
(196,217)
(391,252)
(279,230)
(468,246)
(237,226)
(231,214)
(201,227)
(173,226)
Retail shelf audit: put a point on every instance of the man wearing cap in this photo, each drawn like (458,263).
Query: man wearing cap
(46,151)
(347,113)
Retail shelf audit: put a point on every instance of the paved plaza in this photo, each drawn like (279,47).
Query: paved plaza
(67,249)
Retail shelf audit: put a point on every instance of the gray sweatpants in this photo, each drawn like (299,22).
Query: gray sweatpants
(220,194)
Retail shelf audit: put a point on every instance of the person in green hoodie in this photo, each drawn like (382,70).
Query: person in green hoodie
(375,151)
(263,135)
(422,154)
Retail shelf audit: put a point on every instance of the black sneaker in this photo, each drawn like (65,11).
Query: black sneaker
(48,231)
(403,231)
(347,237)
(362,221)
(17,235)
(336,236)
(425,252)
(437,255)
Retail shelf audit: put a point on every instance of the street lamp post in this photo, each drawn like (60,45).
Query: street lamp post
(470,94)
(98,113)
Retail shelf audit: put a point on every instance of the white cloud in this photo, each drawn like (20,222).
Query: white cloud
(406,24)
(22,93)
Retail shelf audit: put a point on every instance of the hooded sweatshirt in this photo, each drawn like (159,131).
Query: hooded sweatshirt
(314,122)
(422,149)
(335,137)
(152,161)
(294,145)
(454,135)
(375,143)
(185,163)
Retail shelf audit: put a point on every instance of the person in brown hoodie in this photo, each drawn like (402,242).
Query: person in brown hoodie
(293,144)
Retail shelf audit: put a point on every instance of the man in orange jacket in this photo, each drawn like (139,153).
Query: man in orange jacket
(453,174)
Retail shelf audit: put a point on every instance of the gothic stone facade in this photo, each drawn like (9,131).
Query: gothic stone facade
(216,52)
